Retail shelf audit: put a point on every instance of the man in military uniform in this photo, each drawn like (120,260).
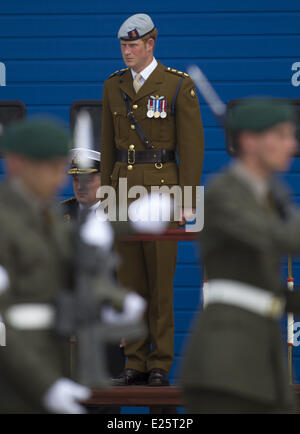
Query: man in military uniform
(235,360)
(86,182)
(150,112)
(35,258)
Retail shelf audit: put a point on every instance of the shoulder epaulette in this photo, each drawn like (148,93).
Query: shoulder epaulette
(179,73)
(120,72)
(71,199)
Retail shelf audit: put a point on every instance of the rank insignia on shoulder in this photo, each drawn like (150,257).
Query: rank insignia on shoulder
(157,106)
(118,73)
(179,73)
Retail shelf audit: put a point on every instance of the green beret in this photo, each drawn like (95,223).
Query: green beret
(259,115)
(37,139)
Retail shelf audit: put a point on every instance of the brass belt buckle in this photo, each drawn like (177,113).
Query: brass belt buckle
(131,156)
(158,165)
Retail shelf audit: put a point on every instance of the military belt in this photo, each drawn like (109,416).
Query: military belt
(149,156)
(30,316)
(244,296)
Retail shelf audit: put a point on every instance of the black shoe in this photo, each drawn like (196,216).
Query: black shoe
(158,377)
(130,377)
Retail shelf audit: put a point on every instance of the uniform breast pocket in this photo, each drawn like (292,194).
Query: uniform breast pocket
(161,177)
(162,129)
(121,124)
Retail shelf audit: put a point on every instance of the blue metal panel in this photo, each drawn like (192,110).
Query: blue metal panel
(57,52)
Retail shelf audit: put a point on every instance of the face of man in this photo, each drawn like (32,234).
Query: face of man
(272,150)
(137,54)
(85,188)
(42,178)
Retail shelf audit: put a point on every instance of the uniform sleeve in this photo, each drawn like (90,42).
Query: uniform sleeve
(240,220)
(107,139)
(23,359)
(190,136)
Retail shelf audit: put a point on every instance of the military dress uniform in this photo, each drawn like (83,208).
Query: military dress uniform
(235,359)
(167,111)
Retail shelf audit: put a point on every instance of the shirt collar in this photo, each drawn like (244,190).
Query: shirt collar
(258,186)
(145,73)
(91,208)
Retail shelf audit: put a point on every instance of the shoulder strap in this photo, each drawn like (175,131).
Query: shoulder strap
(130,115)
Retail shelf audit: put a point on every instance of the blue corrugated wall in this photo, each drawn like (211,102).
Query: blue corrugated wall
(60,51)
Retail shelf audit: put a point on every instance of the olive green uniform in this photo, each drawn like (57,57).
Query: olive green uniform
(148,267)
(235,358)
(36,252)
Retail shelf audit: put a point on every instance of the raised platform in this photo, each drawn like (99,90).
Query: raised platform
(159,399)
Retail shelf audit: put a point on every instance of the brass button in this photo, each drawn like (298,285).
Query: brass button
(135,106)
(131,147)
(132,127)
(115,113)
(162,181)
(130,167)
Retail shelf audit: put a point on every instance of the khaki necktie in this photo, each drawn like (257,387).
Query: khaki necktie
(136,83)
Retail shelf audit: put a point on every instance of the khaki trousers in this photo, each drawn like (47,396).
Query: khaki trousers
(148,267)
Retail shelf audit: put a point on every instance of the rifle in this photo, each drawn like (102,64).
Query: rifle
(79,311)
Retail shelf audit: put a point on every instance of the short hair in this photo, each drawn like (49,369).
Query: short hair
(152,35)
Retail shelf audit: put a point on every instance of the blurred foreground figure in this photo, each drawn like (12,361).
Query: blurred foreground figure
(235,359)
(43,275)
(34,256)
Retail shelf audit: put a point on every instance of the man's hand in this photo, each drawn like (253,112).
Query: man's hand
(63,397)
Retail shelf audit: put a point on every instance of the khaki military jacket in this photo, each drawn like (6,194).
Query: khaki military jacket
(181,130)
(37,256)
(232,349)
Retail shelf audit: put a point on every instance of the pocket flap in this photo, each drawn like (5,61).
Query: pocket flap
(161,177)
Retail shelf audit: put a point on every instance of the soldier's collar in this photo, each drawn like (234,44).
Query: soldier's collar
(91,208)
(30,198)
(258,186)
(146,72)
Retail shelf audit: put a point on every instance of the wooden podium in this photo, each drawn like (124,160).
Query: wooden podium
(159,399)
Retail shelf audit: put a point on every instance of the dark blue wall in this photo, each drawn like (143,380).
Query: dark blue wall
(60,51)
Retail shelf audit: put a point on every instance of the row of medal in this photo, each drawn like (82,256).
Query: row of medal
(157,107)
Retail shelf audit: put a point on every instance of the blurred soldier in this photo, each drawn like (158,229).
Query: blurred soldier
(235,360)
(35,257)
(149,112)
(37,260)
